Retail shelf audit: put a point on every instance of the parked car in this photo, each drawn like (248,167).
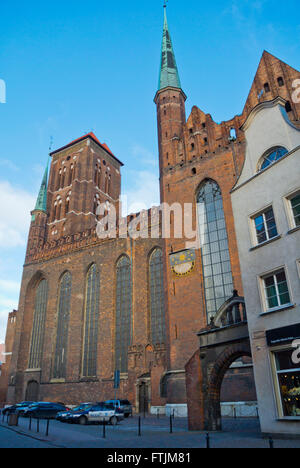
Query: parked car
(64,416)
(44,410)
(18,408)
(122,405)
(97,414)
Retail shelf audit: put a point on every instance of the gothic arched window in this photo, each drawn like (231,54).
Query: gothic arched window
(91,319)
(37,337)
(218,283)
(59,367)
(157,303)
(123,327)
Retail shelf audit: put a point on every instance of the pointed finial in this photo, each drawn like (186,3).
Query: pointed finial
(50,144)
(165,3)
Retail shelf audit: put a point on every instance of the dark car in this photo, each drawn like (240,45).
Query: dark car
(123,406)
(65,416)
(44,410)
(18,408)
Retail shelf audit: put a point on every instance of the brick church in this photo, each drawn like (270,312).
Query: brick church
(90,306)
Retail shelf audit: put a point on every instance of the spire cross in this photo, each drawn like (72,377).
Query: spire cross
(165,3)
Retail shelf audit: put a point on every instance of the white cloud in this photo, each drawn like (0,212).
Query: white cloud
(16,205)
(145,156)
(143,194)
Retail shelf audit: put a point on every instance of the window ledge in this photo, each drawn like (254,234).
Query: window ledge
(278,309)
(33,370)
(265,243)
(295,229)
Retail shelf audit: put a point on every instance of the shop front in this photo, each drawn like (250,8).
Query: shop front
(284,347)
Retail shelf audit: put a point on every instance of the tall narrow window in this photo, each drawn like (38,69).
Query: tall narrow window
(157,303)
(218,283)
(89,366)
(59,367)
(123,314)
(37,337)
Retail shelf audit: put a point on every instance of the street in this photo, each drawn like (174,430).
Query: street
(155,433)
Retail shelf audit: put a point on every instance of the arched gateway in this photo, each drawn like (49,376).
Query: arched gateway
(221,343)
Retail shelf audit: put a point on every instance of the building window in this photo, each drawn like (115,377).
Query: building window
(288,383)
(265,226)
(157,303)
(294,201)
(123,330)
(280,81)
(218,282)
(91,316)
(59,366)
(276,290)
(37,338)
(272,156)
(267,87)
(288,107)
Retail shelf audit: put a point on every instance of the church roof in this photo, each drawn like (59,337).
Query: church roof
(169,75)
(95,139)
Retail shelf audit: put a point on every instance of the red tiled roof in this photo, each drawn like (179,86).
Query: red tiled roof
(88,135)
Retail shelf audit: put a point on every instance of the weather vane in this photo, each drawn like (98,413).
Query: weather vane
(165,3)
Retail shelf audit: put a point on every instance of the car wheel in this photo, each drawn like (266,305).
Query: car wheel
(83,421)
(113,421)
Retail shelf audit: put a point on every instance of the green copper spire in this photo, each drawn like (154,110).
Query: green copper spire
(41,203)
(168,71)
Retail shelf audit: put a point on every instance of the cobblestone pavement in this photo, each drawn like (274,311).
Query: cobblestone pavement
(155,433)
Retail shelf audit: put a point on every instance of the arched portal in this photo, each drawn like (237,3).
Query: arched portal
(226,358)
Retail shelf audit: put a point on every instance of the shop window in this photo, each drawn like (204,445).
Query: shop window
(265,226)
(276,290)
(288,381)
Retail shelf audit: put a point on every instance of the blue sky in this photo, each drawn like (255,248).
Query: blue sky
(73,67)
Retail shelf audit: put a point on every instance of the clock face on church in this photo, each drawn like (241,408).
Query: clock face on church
(183,263)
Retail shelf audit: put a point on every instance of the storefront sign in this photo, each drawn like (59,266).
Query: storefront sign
(283,335)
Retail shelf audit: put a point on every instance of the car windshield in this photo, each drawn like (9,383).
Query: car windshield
(82,407)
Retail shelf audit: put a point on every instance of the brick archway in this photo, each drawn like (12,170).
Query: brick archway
(222,364)
(224,341)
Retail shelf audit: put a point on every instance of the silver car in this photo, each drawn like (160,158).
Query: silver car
(97,414)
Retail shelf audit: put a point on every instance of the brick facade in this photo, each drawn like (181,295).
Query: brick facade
(63,238)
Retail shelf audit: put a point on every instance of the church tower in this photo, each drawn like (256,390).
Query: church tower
(37,232)
(170,103)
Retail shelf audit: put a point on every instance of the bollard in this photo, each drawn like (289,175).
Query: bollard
(47,428)
(30,422)
(234,412)
(171,425)
(139,431)
(37,425)
(158,414)
(104,430)
(207,441)
(174,413)
(271,443)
